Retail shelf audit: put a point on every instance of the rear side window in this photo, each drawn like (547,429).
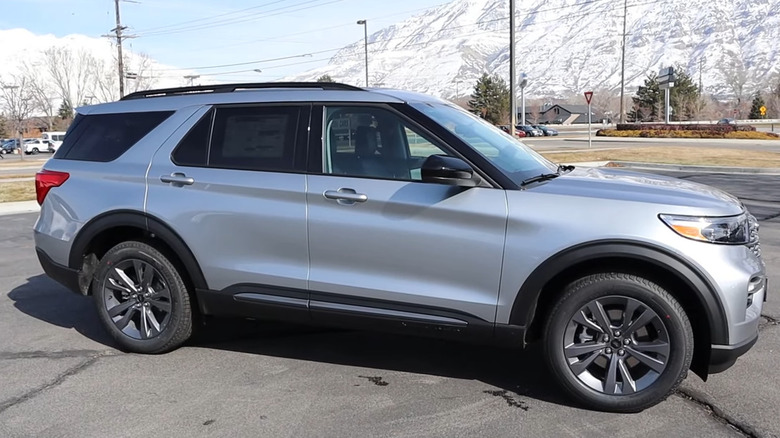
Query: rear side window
(104,137)
(193,150)
(254,138)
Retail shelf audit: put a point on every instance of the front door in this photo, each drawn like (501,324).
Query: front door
(385,244)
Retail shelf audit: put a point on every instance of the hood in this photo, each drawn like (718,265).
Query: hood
(609,183)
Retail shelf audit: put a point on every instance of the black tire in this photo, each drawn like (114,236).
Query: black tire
(657,354)
(161,330)
(35,151)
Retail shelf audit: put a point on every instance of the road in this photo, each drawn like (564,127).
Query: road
(579,141)
(62,377)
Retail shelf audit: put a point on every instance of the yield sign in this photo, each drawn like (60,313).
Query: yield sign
(588,96)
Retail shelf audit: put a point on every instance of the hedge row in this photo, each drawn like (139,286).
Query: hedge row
(697,127)
(661,133)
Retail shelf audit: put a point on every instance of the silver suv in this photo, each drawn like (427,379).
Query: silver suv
(335,205)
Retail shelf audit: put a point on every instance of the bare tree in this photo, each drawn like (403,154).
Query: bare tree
(72,73)
(735,76)
(18,104)
(143,68)
(41,92)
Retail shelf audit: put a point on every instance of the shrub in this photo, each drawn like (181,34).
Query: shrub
(695,127)
(710,133)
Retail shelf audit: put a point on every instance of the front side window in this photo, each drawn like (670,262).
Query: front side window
(375,143)
(515,159)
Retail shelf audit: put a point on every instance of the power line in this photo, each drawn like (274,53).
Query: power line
(168,26)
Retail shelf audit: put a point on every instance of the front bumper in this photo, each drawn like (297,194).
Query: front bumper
(722,357)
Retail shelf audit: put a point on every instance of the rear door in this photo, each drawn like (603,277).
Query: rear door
(230,183)
(386,245)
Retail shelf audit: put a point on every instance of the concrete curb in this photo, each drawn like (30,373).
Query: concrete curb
(7,208)
(688,168)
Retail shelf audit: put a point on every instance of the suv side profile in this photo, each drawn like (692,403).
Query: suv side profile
(329,204)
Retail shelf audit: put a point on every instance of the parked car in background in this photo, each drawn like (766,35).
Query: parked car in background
(518,132)
(35,145)
(727,121)
(530,131)
(547,131)
(9,146)
(54,139)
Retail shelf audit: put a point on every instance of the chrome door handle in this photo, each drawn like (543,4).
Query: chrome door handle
(345,196)
(178,178)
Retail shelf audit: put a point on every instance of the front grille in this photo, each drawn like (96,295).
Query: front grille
(754,245)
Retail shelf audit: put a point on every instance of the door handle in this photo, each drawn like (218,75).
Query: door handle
(178,179)
(345,196)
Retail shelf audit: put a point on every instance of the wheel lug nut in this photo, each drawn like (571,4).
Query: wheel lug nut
(617,333)
(621,352)
(605,338)
(608,351)
(626,341)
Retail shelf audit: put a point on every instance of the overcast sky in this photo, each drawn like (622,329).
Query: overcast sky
(206,33)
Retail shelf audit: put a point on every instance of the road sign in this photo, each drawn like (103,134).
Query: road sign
(588,96)
(762,110)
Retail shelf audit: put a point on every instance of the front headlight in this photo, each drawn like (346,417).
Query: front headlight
(730,229)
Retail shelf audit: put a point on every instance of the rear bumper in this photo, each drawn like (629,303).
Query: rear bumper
(64,275)
(722,357)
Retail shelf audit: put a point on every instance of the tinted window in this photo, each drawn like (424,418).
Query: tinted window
(193,149)
(254,138)
(104,137)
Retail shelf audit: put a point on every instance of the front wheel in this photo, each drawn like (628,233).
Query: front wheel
(618,342)
(35,151)
(141,299)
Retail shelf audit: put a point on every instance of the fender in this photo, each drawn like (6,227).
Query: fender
(527,298)
(129,218)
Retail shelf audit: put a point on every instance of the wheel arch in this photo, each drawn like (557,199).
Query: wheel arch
(685,282)
(108,229)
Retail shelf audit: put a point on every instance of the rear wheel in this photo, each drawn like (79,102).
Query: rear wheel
(141,299)
(618,342)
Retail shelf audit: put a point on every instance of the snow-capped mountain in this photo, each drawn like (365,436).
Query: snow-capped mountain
(568,46)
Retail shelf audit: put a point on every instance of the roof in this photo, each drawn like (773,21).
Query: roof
(175,98)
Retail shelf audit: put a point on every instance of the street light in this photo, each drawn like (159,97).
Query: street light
(365,44)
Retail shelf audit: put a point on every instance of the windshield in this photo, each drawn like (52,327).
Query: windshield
(517,160)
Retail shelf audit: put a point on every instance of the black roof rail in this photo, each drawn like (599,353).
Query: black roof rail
(229,88)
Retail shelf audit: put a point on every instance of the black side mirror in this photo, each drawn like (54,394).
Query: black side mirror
(452,171)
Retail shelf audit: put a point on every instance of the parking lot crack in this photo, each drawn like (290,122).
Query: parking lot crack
(72,371)
(724,417)
(769,321)
(65,354)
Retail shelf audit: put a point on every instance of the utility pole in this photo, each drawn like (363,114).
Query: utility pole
(512,78)
(364,23)
(120,36)
(623,66)
(701,67)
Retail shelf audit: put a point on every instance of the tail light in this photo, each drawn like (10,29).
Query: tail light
(45,180)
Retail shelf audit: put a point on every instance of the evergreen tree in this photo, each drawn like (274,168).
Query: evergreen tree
(647,100)
(325,78)
(3,127)
(490,99)
(66,110)
(684,96)
(755,109)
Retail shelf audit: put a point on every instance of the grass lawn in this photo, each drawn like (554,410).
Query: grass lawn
(17,191)
(673,155)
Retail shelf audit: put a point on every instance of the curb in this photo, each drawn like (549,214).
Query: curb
(7,208)
(689,168)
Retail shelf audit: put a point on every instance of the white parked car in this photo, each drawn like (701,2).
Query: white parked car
(35,145)
(54,139)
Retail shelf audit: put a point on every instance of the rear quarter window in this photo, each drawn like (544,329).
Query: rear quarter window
(104,137)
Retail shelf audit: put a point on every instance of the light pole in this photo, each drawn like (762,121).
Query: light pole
(365,44)
(512,78)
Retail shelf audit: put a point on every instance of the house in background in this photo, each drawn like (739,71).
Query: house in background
(563,114)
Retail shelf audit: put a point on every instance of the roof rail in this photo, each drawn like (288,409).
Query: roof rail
(229,88)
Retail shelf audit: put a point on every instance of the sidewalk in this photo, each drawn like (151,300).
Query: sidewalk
(7,208)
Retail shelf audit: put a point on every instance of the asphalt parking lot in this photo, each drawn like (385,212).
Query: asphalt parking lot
(61,377)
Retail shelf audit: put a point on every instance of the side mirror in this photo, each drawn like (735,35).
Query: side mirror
(452,171)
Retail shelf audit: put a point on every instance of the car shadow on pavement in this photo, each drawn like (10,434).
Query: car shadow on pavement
(514,372)
(520,372)
(46,300)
